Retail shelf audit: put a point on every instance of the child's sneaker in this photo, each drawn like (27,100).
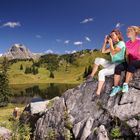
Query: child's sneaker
(115,90)
(125,88)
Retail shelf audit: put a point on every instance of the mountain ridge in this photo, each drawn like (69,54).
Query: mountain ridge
(20,51)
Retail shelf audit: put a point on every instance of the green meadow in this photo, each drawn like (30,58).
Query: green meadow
(66,73)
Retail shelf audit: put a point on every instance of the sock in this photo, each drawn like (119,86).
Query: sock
(125,83)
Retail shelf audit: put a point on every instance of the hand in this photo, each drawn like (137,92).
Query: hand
(110,41)
(105,40)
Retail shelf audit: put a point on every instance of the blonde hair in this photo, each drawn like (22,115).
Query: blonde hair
(136,29)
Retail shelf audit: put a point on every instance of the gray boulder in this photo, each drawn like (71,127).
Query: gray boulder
(78,114)
(5,133)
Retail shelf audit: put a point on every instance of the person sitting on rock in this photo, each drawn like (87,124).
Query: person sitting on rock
(117,52)
(132,61)
(16,113)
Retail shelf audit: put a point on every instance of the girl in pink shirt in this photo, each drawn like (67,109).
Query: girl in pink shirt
(132,61)
(133,48)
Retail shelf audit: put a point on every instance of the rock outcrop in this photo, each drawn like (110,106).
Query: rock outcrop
(19,51)
(79,115)
(5,134)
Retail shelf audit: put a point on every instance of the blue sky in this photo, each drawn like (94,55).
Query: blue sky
(63,26)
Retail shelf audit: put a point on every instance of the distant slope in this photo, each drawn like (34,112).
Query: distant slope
(66,73)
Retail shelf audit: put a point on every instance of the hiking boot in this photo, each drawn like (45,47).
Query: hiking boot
(95,97)
(89,78)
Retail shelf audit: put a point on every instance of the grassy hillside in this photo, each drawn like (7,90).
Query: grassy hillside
(66,73)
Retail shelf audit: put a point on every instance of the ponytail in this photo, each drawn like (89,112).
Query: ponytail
(136,29)
(139,30)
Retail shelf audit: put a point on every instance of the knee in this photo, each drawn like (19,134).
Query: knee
(101,75)
(98,61)
(131,67)
(118,70)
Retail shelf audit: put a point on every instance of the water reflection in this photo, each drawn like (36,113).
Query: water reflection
(23,94)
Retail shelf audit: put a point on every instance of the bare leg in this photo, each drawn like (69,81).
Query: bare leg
(128,77)
(94,70)
(117,80)
(100,85)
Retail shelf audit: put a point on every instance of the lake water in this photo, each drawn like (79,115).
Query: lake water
(24,94)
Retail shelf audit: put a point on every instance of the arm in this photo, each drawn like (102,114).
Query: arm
(112,49)
(104,49)
(126,56)
(139,50)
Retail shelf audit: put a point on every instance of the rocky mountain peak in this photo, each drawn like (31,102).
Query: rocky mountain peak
(19,51)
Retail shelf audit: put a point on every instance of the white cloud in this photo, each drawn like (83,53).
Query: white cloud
(49,51)
(87,38)
(70,52)
(74,51)
(1,55)
(58,40)
(38,36)
(119,25)
(66,41)
(87,20)
(78,43)
(11,24)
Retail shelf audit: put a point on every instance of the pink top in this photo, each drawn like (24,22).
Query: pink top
(133,49)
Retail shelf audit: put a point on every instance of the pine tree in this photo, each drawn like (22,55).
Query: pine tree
(51,75)
(36,71)
(21,67)
(27,70)
(30,70)
(89,70)
(4,83)
(85,73)
(33,70)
